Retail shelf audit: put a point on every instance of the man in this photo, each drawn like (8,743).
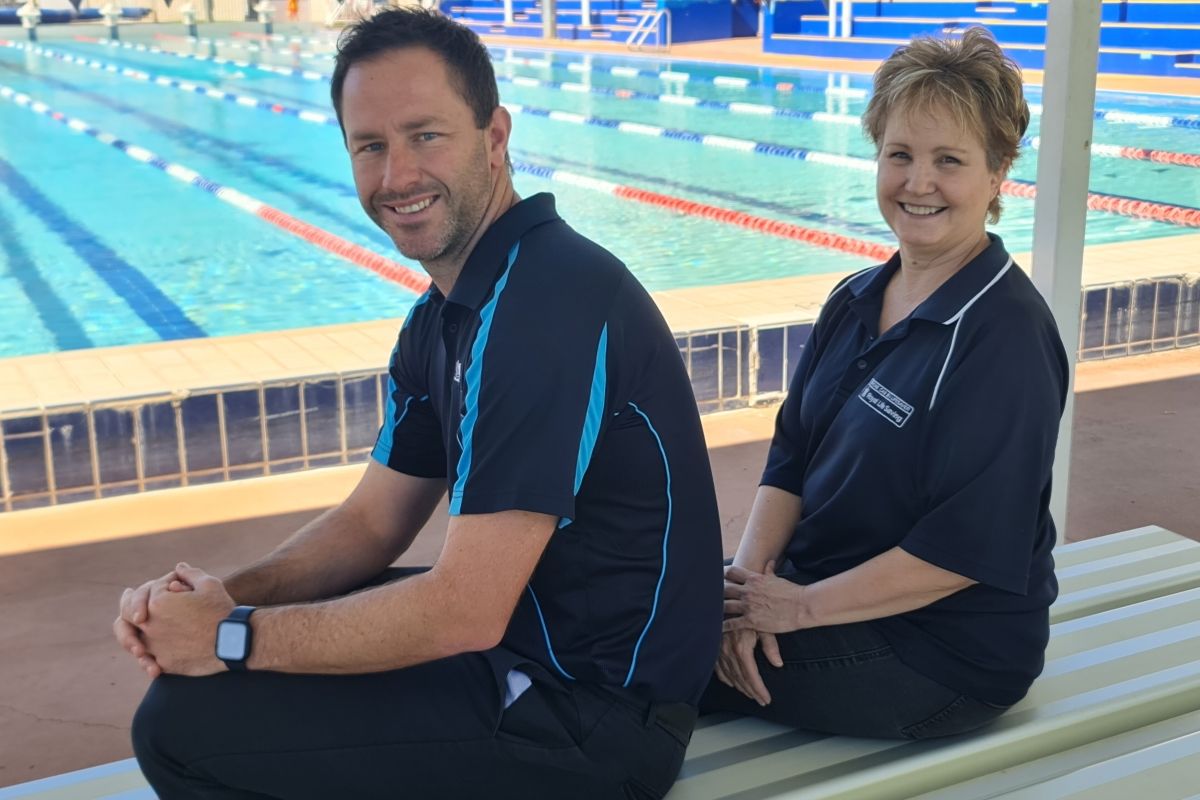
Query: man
(559,644)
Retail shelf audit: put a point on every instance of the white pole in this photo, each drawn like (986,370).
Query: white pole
(847,24)
(832,7)
(508,12)
(586,14)
(1064,158)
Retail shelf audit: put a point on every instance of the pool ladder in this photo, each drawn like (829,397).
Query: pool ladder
(648,24)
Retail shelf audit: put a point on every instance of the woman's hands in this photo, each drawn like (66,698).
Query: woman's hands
(737,668)
(757,606)
(763,602)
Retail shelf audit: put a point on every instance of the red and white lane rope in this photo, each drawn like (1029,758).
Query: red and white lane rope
(397,273)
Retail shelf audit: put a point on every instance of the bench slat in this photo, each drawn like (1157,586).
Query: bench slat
(106,780)
(1043,772)
(1129,541)
(1166,771)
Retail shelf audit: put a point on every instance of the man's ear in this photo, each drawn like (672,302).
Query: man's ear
(498,131)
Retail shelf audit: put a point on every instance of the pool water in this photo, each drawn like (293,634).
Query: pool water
(97,249)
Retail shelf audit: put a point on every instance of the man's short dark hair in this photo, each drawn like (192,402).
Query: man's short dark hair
(466,58)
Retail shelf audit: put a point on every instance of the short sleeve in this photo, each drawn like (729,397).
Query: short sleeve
(410,440)
(985,468)
(534,405)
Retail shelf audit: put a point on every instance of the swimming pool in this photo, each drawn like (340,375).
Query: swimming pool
(677,174)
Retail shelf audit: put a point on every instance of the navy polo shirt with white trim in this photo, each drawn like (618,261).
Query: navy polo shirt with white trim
(937,437)
(548,382)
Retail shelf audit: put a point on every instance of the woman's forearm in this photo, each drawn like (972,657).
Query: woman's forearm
(891,583)
(772,521)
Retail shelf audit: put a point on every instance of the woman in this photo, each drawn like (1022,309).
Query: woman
(895,572)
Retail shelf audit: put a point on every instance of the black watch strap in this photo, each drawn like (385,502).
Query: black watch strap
(239,616)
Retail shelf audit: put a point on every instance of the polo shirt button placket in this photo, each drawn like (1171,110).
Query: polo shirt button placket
(862,363)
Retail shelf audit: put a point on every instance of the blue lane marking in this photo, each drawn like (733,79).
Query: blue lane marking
(862,229)
(666,538)
(56,317)
(146,300)
(222,150)
(473,377)
(68,779)
(546,633)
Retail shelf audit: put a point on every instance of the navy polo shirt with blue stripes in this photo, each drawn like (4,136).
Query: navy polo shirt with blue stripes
(937,437)
(547,381)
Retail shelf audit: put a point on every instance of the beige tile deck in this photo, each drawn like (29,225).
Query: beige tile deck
(176,368)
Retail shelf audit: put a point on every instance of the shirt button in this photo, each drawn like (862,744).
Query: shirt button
(862,364)
(453,327)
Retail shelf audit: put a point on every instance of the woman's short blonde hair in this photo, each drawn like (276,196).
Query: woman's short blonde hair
(971,78)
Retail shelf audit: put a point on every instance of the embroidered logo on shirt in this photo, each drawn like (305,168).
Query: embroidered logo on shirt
(458,372)
(886,403)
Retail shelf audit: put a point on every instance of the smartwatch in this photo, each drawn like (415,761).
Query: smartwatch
(233,638)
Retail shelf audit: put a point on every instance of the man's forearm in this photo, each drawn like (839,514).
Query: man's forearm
(329,556)
(388,627)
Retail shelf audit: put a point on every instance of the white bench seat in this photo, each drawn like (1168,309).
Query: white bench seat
(1112,709)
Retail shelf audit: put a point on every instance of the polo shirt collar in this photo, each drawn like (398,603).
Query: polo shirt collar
(491,251)
(949,300)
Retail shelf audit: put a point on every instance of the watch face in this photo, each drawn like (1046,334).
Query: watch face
(231,641)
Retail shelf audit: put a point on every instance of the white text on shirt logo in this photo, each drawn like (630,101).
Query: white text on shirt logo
(886,403)
(458,372)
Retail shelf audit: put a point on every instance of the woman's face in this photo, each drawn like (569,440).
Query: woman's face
(933,184)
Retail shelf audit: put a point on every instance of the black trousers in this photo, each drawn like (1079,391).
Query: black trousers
(847,679)
(437,730)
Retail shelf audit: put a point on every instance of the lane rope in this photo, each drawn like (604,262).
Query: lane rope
(773,227)
(1114,204)
(1113,116)
(1101,150)
(397,273)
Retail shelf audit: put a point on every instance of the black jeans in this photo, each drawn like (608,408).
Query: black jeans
(436,730)
(846,679)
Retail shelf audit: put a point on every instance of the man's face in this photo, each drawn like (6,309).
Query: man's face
(424,172)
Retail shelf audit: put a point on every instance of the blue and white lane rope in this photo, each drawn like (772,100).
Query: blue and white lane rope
(1115,117)
(760,109)
(398,273)
(677,77)
(175,83)
(851,162)
(1116,204)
